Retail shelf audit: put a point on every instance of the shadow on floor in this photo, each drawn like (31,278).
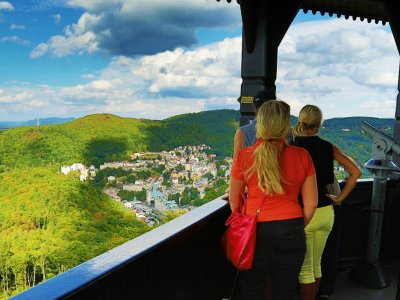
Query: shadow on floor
(349,290)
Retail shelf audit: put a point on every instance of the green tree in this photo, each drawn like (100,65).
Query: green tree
(208,175)
(189,194)
(174,197)
(51,222)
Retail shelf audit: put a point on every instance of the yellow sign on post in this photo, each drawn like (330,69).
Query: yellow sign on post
(246,99)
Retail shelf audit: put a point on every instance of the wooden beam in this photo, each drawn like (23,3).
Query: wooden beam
(265,23)
(248,11)
(393,10)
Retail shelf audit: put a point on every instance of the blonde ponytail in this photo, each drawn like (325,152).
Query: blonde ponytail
(310,117)
(273,123)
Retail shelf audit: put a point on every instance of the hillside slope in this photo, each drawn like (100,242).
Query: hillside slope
(92,140)
(98,138)
(95,139)
(50,222)
(347,134)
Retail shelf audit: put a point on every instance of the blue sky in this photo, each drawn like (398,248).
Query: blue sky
(158,58)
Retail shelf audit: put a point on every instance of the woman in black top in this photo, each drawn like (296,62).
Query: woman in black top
(323,153)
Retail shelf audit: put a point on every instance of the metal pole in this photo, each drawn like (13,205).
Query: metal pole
(376,219)
(370,273)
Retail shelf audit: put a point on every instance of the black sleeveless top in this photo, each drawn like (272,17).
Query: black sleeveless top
(321,152)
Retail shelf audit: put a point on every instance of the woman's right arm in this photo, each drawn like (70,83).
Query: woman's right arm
(237,142)
(309,195)
(236,188)
(237,145)
(236,183)
(351,168)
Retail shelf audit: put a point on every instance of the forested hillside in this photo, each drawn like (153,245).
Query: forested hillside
(98,138)
(50,222)
(92,140)
(355,122)
(347,134)
(213,128)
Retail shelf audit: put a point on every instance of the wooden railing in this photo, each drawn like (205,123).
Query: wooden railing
(183,259)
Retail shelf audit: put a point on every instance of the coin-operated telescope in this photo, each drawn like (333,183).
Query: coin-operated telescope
(383,146)
(370,273)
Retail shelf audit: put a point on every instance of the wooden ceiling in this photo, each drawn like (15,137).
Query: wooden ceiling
(368,10)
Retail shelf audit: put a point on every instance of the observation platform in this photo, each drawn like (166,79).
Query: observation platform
(183,259)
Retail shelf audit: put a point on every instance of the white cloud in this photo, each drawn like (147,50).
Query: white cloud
(17,27)
(377,108)
(15,39)
(23,96)
(17,100)
(56,18)
(154,86)
(39,50)
(6,5)
(95,5)
(88,76)
(336,40)
(339,65)
(129,28)
(101,84)
(159,109)
(4,99)
(66,45)
(385,79)
(347,68)
(206,71)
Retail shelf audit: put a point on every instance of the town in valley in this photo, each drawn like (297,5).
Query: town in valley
(153,183)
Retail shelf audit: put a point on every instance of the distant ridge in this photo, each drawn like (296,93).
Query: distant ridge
(357,121)
(328,123)
(99,138)
(43,121)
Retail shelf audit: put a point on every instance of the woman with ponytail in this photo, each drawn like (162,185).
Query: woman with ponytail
(323,154)
(280,172)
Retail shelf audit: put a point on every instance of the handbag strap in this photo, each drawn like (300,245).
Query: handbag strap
(244,206)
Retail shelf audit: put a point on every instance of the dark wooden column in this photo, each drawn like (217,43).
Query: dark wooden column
(397,113)
(394,14)
(264,25)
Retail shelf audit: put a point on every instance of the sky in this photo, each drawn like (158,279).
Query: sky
(158,58)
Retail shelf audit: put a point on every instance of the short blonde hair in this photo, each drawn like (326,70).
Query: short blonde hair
(310,117)
(273,123)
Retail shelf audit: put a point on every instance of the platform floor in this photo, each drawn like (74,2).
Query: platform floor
(346,289)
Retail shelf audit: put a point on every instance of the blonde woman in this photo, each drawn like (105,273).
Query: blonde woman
(317,231)
(280,172)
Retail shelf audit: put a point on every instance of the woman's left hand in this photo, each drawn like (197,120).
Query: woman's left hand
(334,198)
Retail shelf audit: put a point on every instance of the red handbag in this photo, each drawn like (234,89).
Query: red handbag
(239,239)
